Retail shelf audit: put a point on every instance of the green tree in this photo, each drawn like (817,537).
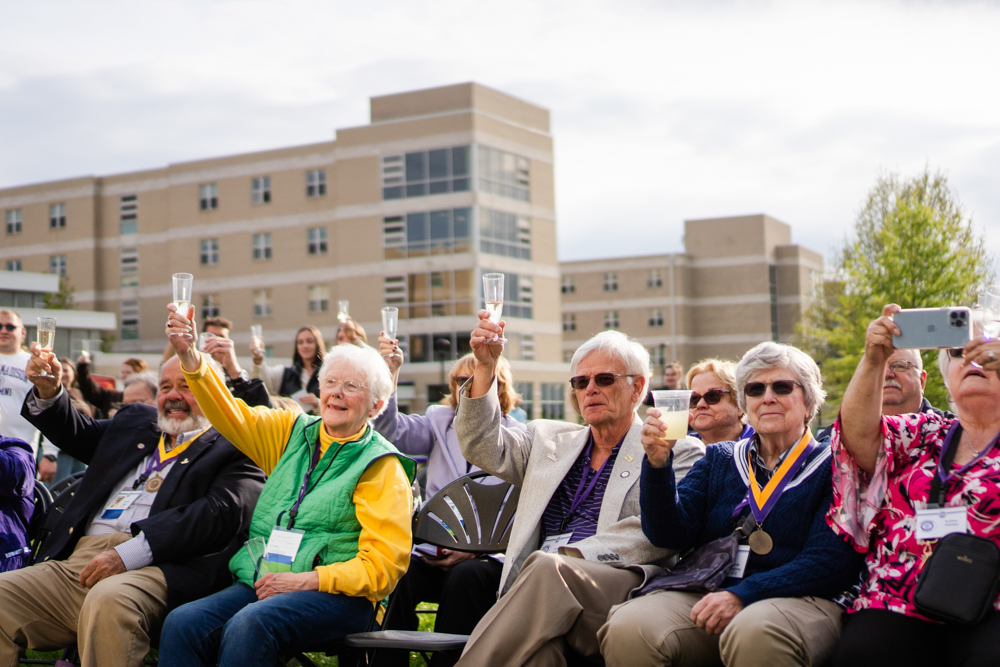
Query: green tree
(65,298)
(911,245)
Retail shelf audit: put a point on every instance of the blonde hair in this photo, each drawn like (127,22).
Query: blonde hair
(505,383)
(285,403)
(723,369)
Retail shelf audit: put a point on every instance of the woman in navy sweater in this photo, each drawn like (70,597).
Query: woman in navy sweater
(775,608)
(17,501)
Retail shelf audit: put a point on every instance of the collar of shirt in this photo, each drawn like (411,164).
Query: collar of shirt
(761,471)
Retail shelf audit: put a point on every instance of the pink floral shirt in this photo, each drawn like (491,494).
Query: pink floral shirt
(877,513)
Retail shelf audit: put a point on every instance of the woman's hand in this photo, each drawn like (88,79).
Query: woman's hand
(984,353)
(657,449)
(387,347)
(223,351)
(257,354)
(878,339)
(309,399)
(44,362)
(715,611)
(182,334)
(286,582)
(448,559)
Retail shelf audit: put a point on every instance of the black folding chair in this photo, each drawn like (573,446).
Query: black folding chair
(65,483)
(467,516)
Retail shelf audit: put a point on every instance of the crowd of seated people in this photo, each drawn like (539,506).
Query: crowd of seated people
(227,519)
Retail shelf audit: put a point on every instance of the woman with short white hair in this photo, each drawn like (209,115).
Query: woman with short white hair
(335,512)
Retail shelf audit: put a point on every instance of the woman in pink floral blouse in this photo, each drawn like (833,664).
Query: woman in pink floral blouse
(883,467)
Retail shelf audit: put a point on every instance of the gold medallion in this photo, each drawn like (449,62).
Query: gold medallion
(760,542)
(153,485)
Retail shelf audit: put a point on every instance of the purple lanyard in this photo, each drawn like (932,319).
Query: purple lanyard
(155,465)
(946,477)
(583,489)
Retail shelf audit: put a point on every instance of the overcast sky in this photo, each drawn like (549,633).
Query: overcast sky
(661,111)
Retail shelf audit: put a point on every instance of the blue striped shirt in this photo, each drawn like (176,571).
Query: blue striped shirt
(583,523)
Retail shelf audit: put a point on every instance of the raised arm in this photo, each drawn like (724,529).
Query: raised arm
(861,409)
(101,398)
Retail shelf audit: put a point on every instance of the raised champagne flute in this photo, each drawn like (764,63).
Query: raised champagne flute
(493,293)
(342,307)
(183,285)
(390,322)
(257,337)
(46,337)
(989,300)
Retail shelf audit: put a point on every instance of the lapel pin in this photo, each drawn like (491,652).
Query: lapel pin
(142,446)
(628,458)
(553,457)
(184,461)
(625,473)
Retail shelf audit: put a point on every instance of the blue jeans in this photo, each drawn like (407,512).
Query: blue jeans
(235,629)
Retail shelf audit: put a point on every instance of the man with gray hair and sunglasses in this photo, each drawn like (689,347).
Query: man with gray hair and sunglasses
(577,524)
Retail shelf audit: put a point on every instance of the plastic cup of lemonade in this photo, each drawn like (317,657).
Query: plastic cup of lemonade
(674,408)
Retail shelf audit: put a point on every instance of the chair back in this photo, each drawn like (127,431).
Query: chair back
(52,515)
(43,503)
(469,516)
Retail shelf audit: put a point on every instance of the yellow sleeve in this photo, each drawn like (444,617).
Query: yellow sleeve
(382,501)
(260,433)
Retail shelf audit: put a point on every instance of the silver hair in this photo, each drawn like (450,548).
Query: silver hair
(369,365)
(147,378)
(212,363)
(628,351)
(768,355)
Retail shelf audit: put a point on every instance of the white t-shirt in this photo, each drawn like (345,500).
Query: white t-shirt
(14,386)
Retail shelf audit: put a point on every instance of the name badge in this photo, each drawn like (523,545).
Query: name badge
(935,522)
(121,502)
(282,547)
(553,542)
(738,567)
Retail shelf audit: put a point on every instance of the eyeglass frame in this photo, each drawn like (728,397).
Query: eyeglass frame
(696,398)
(897,362)
(773,390)
(11,328)
(347,389)
(573,381)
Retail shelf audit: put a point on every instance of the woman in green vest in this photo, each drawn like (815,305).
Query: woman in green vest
(335,513)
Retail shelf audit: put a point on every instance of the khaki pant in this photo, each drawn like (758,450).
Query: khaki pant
(657,630)
(557,601)
(44,607)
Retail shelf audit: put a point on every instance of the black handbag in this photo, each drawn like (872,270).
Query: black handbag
(960,581)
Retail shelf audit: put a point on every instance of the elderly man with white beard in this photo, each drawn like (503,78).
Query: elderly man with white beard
(165,502)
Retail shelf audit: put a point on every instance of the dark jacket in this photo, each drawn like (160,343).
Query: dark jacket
(291,381)
(201,514)
(17,501)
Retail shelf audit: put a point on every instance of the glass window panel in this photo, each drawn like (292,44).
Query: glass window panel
(461,217)
(440,225)
(419,311)
(392,193)
(418,288)
(416,227)
(463,284)
(415,170)
(460,161)
(418,190)
(460,185)
(439,187)
(437,164)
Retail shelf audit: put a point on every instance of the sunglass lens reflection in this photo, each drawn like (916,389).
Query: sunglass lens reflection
(711,398)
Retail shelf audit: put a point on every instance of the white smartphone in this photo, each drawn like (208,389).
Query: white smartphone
(932,328)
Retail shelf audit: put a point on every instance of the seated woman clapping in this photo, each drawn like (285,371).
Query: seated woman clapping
(884,470)
(774,608)
(335,512)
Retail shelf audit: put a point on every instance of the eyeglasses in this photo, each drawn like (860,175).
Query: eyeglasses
(10,327)
(779,387)
(956,352)
(349,387)
(581,382)
(901,366)
(712,396)
(461,379)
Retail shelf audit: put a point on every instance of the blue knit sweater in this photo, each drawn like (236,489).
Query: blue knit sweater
(807,558)
(17,501)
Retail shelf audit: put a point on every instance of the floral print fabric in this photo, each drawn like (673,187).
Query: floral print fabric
(877,513)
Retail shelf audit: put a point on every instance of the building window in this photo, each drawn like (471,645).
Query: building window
(611,282)
(13,265)
(394,291)
(569,321)
(434,294)
(128,267)
(260,190)
(518,296)
(317,240)
(316,183)
(209,252)
(319,298)
(568,285)
(655,279)
(14,221)
(553,401)
(129,314)
(262,303)
(503,173)
(262,246)
(57,265)
(57,216)
(527,392)
(657,355)
(505,234)
(611,319)
(210,306)
(656,317)
(208,196)
(425,173)
(568,356)
(526,351)
(128,214)
(428,233)
(772,276)
(437,346)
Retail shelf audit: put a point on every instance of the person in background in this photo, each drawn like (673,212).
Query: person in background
(14,386)
(66,465)
(300,380)
(883,470)
(673,373)
(103,399)
(463,584)
(351,332)
(17,500)
(715,415)
(141,388)
(217,326)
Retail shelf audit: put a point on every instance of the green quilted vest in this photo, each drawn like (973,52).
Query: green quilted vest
(327,512)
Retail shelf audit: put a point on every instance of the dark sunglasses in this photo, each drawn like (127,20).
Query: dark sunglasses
(10,327)
(954,353)
(779,387)
(581,382)
(461,379)
(712,396)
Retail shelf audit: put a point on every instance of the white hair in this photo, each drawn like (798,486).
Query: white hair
(145,377)
(617,345)
(369,364)
(769,355)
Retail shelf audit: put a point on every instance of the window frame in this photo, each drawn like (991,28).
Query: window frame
(316,246)
(260,190)
(315,183)
(263,303)
(208,196)
(318,298)
(610,282)
(261,246)
(128,266)
(209,256)
(14,221)
(57,216)
(612,320)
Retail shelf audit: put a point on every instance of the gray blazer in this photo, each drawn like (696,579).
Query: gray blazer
(539,458)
